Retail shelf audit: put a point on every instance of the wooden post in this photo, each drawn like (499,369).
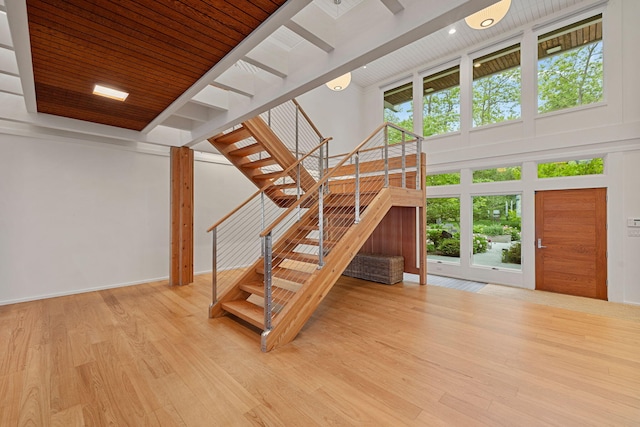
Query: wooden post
(181,270)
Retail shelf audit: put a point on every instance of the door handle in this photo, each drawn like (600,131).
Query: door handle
(540,244)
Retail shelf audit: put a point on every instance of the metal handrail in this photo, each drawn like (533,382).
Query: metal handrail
(321,182)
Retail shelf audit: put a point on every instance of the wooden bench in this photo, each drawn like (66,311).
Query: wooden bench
(387,269)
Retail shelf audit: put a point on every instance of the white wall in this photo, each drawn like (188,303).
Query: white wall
(630,209)
(610,128)
(338,115)
(81,216)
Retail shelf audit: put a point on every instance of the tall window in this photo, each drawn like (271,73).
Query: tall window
(441,102)
(496,87)
(570,66)
(398,109)
(443,229)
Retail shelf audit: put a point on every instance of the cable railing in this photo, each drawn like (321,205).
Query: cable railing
(336,202)
(236,242)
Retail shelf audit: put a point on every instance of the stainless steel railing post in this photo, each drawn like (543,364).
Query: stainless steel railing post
(214,269)
(386,156)
(404,162)
(267,242)
(357,207)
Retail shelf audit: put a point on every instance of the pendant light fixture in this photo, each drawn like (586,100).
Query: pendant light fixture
(340,83)
(488,17)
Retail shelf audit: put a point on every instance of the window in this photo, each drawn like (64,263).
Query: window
(496,231)
(497,174)
(443,229)
(398,109)
(443,179)
(496,87)
(441,102)
(571,168)
(570,66)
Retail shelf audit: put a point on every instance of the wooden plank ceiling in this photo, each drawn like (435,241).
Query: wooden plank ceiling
(152,49)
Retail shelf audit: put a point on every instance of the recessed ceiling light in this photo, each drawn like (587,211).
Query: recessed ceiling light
(108,92)
(477,64)
(554,49)
(452,31)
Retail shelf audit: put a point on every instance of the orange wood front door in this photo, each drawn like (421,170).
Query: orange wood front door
(571,242)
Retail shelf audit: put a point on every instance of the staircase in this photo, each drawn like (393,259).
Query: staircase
(273,263)
(261,155)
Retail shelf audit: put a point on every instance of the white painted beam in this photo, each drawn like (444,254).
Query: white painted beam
(10,84)
(236,80)
(269,57)
(309,36)
(178,123)
(8,63)
(213,97)
(394,6)
(19,27)
(5,34)
(195,112)
(314,25)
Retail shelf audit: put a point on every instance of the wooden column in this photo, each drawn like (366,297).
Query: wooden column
(181,270)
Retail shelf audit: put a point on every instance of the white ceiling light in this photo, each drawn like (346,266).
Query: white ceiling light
(488,17)
(340,83)
(108,92)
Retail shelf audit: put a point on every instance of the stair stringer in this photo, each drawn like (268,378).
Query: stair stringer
(276,149)
(300,308)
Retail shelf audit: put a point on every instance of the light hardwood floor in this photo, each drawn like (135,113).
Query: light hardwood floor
(371,355)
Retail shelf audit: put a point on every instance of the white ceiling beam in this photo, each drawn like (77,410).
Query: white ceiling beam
(19,27)
(10,84)
(237,80)
(213,97)
(394,6)
(272,23)
(5,34)
(179,123)
(315,26)
(360,43)
(309,36)
(8,63)
(195,112)
(269,57)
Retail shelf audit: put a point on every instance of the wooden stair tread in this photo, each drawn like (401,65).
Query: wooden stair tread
(268,175)
(311,242)
(298,256)
(267,161)
(279,295)
(327,227)
(247,311)
(232,137)
(288,274)
(248,150)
